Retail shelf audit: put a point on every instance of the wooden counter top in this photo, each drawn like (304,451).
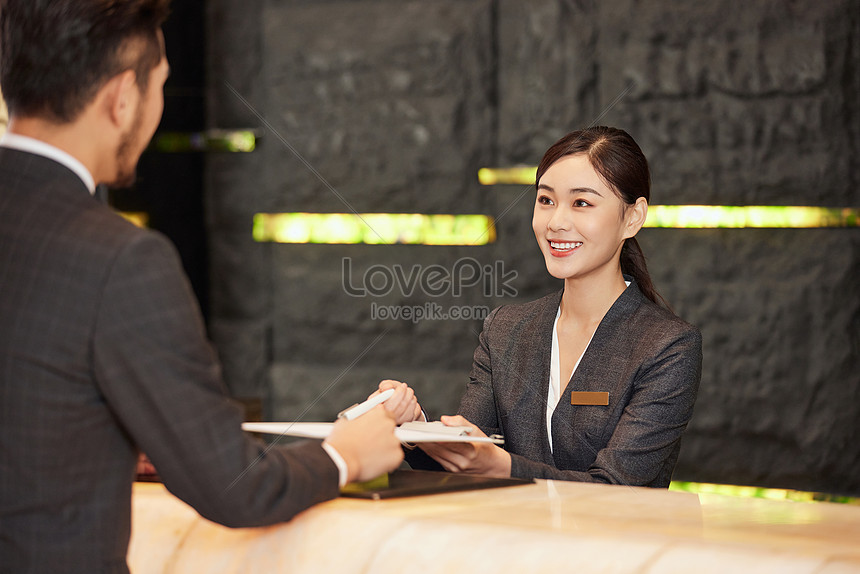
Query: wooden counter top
(547,526)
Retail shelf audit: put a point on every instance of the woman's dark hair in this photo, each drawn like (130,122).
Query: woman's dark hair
(56,54)
(617,158)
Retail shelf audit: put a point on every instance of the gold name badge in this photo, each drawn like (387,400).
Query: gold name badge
(594,398)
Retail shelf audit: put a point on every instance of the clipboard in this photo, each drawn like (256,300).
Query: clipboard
(406,433)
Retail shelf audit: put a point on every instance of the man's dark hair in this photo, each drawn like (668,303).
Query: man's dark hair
(56,54)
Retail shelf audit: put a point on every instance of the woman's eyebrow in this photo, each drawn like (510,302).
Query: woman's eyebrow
(545,187)
(586,190)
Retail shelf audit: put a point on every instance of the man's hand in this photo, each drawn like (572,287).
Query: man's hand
(469,457)
(403,404)
(367,444)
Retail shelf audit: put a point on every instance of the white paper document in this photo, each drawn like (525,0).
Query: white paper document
(409,434)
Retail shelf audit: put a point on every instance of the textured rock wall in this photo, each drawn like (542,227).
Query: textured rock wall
(375,105)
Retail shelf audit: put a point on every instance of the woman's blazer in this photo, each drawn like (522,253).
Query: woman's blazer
(646,358)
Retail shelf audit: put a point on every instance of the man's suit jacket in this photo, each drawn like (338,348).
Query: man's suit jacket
(103,352)
(644,356)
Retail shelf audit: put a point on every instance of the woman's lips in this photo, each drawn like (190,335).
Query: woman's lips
(563,248)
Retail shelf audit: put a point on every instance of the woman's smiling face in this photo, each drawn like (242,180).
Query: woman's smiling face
(579,221)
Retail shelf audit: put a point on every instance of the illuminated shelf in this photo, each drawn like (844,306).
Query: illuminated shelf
(233,141)
(752,216)
(374,228)
(518,175)
(760,492)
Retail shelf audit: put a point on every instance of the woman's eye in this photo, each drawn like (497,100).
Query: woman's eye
(581,203)
(544,200)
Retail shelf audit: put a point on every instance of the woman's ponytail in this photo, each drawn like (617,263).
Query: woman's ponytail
(633,264)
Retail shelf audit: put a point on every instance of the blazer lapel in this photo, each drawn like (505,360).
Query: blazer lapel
(543,359)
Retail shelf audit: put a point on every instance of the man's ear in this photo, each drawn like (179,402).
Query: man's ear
(119,97)
(635,217)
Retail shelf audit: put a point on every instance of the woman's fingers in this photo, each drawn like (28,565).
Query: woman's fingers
(459,421)
(403,405)
(453,456)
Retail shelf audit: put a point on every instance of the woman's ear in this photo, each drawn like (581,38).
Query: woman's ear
(635,217)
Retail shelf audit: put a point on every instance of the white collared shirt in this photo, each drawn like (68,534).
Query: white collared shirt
(38,147)
(555,387)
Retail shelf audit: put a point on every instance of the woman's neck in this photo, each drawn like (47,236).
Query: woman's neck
(586,300)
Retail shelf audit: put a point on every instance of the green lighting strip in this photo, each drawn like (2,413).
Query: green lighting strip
(374,228)
(708,216)
(759,492)
(520,175)
(752,216)
(234,141)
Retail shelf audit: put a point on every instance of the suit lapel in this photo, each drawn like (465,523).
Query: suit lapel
(542,356)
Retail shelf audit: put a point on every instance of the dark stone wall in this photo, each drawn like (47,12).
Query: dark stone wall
(390,106)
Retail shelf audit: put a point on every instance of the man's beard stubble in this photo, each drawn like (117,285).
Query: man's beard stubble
(126,161)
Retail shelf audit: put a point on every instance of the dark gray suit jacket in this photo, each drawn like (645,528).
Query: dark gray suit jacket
(644,356)
(103,352)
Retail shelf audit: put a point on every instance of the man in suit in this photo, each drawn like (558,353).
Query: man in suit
(102,348)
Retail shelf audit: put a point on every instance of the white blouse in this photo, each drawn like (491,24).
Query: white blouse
(555,387)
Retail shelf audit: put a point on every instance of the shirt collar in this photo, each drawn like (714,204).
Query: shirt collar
(38,147)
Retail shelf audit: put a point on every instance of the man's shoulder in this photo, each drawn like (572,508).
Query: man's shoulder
(44,204)
(108,235)
(24,169)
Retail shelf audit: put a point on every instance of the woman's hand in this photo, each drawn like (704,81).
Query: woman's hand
(403,405)
(469,457)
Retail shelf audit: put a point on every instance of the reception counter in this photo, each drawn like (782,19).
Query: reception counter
(541,527)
